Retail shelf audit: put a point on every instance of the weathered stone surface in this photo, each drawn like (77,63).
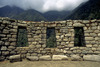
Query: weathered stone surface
(31,46)
(91,57)
(14,57)
(7,43)
(2,58)
(12,39)
(78,25)
(89,38)
(3,48)
(46,57)
(11,47)
(85,21)
(12,52)
(59,57)
(23,52)
(38,46)
(33,58)
(34,54)
(75,57)
(1,43)
(2,35)
(13,44)
(5,53)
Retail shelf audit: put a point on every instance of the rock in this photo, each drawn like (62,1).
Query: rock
(75,57)
(91,57)
(33,58)
(1,43)
(2,58)
(15,58)
(3,48)
(2,35)
(59,57)
(46,57)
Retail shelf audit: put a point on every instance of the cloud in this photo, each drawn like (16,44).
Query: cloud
(43,5)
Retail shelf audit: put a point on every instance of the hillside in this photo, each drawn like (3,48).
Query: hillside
(8,11)
(30,15)
(55,15)
(89,10)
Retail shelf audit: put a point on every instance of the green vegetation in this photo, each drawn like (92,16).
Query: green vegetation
(51,39)
(86,11)
(79,37)
(22,40)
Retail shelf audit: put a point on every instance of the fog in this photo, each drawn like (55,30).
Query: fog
(43,5)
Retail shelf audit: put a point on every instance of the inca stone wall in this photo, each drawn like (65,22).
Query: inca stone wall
(36,33)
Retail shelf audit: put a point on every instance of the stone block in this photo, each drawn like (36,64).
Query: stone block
(13,53)
(5,52)
(1,43)
(3,48)
(31,46)
(46,58)
(59,57)
(33,58)
(94,49)
(88,45)
(2,35)
(89,38)
(11,47)
(43,46)
(12,39)
(91,58)
(13,44)
(95,45)
(23,25)
(86,21)
(94,28)
(34,54)
(30,39)
(75,57)
(14,58)
(24,52)
(13,30)
(14,36)
(98,49)
(78,25)
(38,46)
(2,58)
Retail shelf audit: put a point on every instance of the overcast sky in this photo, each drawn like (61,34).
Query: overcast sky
(43,5)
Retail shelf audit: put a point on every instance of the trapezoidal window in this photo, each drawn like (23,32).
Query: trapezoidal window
(22,40)
(79,37)
(51,38)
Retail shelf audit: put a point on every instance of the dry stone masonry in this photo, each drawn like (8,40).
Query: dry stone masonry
(36,33)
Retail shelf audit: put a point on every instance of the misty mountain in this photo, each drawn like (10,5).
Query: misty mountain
(55,15)
(30,15)
(89,10)
(8,11)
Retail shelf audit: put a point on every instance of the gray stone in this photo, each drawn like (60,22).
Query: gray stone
(13,30)
(1,43)
(12,52)
(5,31)
(13,44)
(30,39)
(59,57)
(2,58)
(14,57)
(6,22)
(33,58)
(31,46)
(34,54)
(85,21)
(2,35)
(89,38)
(12,39)
(75,57)
(91,57)
(38,46)
(5,53)
(23,25)
(7,43)
(23,52)
(3,48)
(11,47)
(46,58)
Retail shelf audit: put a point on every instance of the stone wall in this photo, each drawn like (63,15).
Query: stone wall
(36,33)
